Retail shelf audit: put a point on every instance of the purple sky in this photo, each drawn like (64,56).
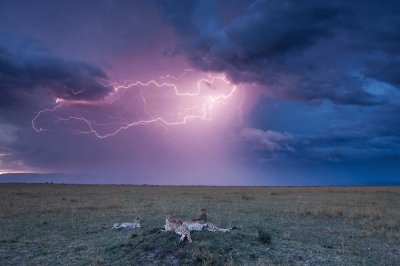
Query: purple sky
(271,92)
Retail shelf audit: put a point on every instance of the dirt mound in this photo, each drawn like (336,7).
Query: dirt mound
(155,247)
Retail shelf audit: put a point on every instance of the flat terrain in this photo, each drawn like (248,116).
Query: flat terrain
(67,225)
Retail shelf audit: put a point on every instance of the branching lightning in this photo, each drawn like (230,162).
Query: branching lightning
(38,114)
(204,98)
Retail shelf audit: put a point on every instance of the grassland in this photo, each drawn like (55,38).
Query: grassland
(67,225)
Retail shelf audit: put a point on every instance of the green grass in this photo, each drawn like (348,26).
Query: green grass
(68,225)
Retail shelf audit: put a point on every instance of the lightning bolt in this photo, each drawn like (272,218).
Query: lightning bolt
(201,110)
(38,114)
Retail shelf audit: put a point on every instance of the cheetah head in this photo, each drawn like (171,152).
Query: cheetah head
(168,218)
(137,220)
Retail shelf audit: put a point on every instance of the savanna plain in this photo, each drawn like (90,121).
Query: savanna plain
(51,224)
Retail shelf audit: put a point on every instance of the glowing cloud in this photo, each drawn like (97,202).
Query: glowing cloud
(169,101)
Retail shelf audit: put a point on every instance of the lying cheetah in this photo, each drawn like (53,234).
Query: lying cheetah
(174,225)
(135,224)
(213,228)
(200,224)
(197,226)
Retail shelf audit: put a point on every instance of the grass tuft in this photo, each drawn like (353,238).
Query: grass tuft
(80,248)
(263,237)
(245,196)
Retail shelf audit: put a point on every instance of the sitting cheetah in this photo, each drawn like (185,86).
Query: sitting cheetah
(174,225)
(169,221)
(202,218)
(135,224)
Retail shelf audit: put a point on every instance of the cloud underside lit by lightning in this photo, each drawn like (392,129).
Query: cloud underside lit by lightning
(169,101)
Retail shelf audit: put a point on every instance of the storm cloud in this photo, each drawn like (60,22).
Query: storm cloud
(27,67)
(303,50)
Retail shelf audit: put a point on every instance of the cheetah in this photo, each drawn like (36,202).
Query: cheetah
(200,224)
(213,228)
(135,224)
(197,226)
(174,225)
(202,218)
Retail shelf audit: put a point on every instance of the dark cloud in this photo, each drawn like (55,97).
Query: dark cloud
(349,148)
(375,136)
(26,66)
(267,140)
(339,89)
(302,50)
(31,77)
(337,147)
(385,70)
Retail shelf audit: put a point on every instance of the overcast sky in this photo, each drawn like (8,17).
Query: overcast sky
(258,92)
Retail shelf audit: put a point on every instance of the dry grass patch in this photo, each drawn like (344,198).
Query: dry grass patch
(89,207)
(4,240)
(111,206)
